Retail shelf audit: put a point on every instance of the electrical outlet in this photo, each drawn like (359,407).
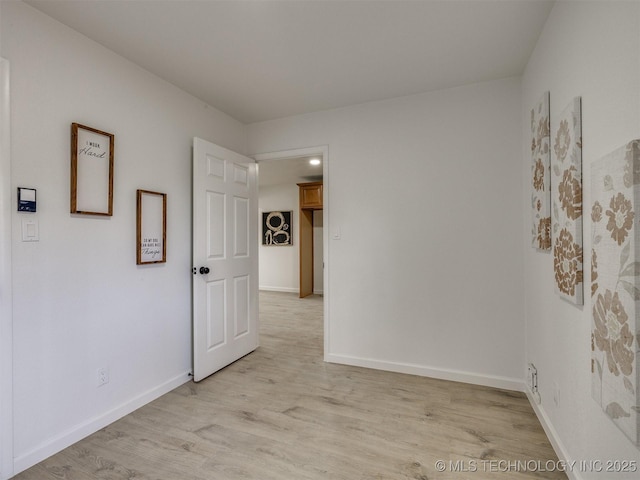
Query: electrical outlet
(103,376)
(532,382)
(532,378)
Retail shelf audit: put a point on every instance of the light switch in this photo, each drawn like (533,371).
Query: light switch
(30,230)
(336,234)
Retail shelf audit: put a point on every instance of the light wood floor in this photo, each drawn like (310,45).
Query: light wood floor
(282,413)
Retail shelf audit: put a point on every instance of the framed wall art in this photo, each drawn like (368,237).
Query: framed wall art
(151,227)
(277,229)
(541,175)
(91,171)
(615,287)
(566,184)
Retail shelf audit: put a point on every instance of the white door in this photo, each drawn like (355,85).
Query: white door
(225,257)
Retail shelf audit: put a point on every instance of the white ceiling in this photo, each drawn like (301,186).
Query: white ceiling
(265,59)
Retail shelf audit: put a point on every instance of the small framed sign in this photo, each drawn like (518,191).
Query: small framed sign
(91,171)
(151,227)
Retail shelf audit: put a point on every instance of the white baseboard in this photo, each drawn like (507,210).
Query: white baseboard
(278,289)
(425,371)
(74,434)
(552,435)
(318,292)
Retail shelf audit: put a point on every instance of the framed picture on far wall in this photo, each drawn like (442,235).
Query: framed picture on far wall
(277,229)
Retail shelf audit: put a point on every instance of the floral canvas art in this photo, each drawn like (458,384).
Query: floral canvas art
(566,145)
(541,175)
(615,287)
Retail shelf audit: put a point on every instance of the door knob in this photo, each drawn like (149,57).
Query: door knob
(204,270)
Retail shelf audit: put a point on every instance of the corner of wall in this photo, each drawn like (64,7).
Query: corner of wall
(6,307)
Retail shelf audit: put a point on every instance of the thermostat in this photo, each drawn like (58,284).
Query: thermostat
(26,199)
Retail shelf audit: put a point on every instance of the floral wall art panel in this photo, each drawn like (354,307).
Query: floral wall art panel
(566,189)
(615,287)
(541,174)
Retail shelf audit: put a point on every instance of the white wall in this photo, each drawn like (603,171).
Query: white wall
(427,275)
(80,302)
(592,50)
(280,266)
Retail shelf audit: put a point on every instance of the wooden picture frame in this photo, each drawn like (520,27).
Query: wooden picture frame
(91,171)
(151,227)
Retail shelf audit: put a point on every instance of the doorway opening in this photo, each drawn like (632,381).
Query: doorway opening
(299,262)
(310,237)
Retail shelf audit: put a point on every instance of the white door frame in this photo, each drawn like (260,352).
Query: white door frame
(322,150)
(6,307)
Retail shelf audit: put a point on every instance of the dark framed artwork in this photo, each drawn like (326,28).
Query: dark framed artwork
(91,171)
(151,227)
(277,229)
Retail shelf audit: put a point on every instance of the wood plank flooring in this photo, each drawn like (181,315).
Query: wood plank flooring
(282,413)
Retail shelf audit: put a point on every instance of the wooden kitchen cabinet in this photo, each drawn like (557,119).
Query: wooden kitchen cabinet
(311,195)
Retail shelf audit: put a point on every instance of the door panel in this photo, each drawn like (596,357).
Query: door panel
(241,237)
(242,295)
(240,174)
(215,214)
(215,314)
(215,167)
(225,254)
